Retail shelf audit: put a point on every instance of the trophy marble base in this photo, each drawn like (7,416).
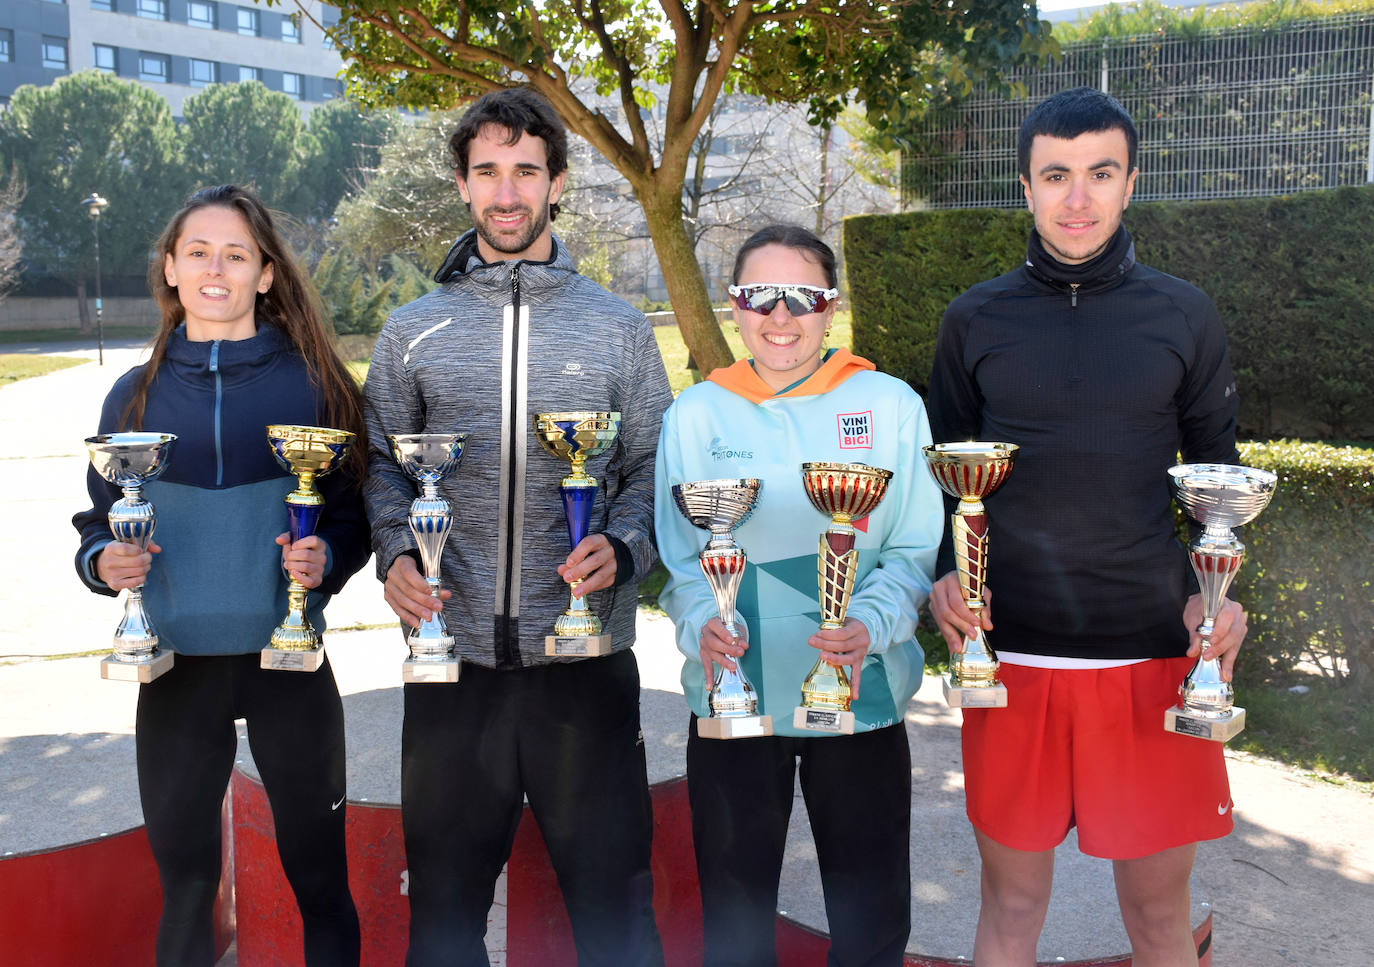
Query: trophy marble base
(735,727)
(1182,722)
(418,672)
(130,671)
(305,660)
(968,696)
(823,720)
(593,646)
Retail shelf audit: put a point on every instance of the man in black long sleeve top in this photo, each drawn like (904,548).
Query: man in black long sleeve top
(1102,370)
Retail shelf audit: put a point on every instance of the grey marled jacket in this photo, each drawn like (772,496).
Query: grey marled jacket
(492,345)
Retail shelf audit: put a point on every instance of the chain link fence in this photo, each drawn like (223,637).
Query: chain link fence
(1236,112)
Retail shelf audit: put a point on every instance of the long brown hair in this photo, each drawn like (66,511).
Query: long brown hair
(291,305)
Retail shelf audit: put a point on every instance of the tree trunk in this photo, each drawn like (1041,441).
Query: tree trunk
(682,276)
(82,309)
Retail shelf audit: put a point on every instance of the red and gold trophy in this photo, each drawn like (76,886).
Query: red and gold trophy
(846,492)
(969,472)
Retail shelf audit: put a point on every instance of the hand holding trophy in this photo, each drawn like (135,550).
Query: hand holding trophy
(308,452)
(1219,497)
(969,472)
(428,458)
(129,460)
(846,492)
(720,506)
(576,436)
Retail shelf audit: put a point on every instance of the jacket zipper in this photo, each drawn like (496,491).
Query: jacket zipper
(1073,294)
(508,650)
(219,398)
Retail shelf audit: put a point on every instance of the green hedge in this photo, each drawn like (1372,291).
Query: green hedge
(1291,278)
(1307,581)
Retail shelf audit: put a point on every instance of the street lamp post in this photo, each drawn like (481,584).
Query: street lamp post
(94,206)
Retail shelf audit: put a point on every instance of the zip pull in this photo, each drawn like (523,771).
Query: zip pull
(1073,294)
(515,283)
(214,356)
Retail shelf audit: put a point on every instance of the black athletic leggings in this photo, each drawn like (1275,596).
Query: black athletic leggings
(858,796)
(185,747)
(567,736)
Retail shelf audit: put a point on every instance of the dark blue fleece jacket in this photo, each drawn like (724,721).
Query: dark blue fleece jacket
(218,587)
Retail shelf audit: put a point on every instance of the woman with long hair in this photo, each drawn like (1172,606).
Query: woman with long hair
(796,401)
(242,344)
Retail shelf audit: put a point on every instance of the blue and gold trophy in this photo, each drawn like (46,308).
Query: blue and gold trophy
(307,452)
(575,437)
(427,458)
(129,460)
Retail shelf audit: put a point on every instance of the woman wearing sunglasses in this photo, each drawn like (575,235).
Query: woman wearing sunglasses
(796,401)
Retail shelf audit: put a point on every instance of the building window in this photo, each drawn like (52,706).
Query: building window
(293,84)
(6,45)
(102,5)
(152,9)
(203,72)
(248,22)
(55,53)
(290,30)
(104,58)
(154,67)
(202,15)
(250,74)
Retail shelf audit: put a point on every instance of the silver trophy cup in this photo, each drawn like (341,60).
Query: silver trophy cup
(720,506)
(129,460)
(428,458)
(1219,497)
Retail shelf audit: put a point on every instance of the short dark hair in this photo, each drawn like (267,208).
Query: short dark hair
(1079,110)
(518,110)
(789,236)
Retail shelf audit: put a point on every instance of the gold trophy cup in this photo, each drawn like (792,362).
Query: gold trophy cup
(576,436)
(846,492)
(307,452)
(969,472)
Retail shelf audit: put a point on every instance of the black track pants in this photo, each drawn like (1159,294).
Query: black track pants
(185,748)
(858,795)
(567,736)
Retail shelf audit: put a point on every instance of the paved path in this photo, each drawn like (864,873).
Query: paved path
(1293,885)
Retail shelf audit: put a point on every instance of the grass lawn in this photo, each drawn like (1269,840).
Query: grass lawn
(75,335)
(17,366)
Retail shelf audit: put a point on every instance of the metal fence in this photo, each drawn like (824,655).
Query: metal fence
(1236,112)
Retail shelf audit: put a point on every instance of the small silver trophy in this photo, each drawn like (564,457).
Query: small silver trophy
(720,506)
(1218,496)
(129,460)
(427,458)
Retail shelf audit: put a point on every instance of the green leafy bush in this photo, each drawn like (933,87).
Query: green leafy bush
(1289,276)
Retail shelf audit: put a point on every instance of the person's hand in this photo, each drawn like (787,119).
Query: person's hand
(719,648)
(122,565)
(952,615)
(592,562)
(846,646)
(305,559)
(407,592)
(1228,632)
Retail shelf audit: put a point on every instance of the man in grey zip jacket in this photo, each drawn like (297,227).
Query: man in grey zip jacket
(514,330)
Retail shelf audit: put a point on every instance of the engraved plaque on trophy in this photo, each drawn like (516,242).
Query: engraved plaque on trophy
(1219,497)
(308,452)
(575,437)
(428,458)
(846,492)
(969,472)
(720,506)
(130,460)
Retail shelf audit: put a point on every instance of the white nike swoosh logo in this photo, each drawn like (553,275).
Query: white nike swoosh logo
(1223,808)
(339,803)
